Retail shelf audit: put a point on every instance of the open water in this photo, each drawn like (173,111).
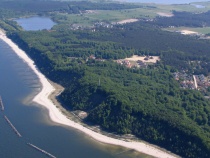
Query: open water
(35,23)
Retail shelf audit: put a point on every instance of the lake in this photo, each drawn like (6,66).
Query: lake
(35,23)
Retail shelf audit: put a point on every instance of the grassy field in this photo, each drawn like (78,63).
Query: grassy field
(146,11)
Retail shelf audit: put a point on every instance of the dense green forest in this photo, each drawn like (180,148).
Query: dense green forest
(175,49)
(145,102)
(61,6)
(184,19)
(124,41)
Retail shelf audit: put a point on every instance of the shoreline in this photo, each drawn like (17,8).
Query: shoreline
(56,115)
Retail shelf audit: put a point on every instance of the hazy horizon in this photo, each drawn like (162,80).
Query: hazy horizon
(167,1)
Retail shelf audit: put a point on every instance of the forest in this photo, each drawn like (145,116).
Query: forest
(145,102)
(175,49)
(184,19)
(71,7)
(126,99)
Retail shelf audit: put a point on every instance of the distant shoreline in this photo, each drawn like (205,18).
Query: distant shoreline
(163,2)
(43,98)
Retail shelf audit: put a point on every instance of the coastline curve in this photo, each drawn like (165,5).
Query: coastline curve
(57,116)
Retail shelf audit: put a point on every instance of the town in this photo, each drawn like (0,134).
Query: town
(198,82)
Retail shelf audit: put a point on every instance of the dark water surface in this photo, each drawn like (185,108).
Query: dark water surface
(18,85)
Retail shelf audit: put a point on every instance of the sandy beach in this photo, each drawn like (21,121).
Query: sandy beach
(188,32)
(57,116)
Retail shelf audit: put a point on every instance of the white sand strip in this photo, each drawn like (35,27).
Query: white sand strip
(127,21)
(165,14)
(154,59)
(57,116)
(188,32)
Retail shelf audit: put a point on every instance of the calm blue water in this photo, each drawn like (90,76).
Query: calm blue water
(18,85)
(167,1)
(35,23)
